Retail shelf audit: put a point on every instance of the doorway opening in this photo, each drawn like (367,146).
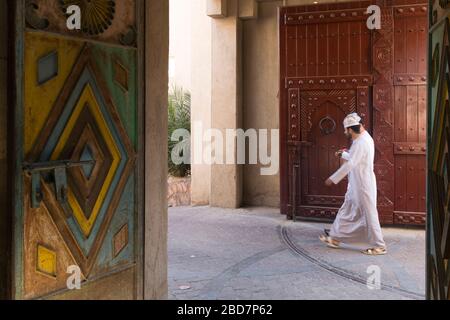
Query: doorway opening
(245,249)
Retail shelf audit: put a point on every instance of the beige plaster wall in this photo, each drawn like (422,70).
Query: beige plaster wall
(180,50)
(226,103)
(201,93)
(260,96)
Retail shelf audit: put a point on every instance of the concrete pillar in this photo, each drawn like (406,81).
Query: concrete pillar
(248,9)
(226,180)
(217,8)
(3,146)
(156,100)
(201,98)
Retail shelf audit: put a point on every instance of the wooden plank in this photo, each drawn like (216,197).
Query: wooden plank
(155,122)
(312,50)
(400,48)
(291,51)
(322,53)
(422,113)
(301,51)
(412,114)
(400,114)
(401,174)
(333,49)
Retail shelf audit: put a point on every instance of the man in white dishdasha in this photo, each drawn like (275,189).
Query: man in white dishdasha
(357,219)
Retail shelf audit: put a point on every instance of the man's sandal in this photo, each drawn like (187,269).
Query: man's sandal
(329,241)
(375,251)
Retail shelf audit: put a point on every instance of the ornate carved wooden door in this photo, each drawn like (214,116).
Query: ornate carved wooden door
(77,115)
(322,113)
(332,65)
(326,75)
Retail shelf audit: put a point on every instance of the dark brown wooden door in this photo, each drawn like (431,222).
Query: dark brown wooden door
(323,112)
(332,65)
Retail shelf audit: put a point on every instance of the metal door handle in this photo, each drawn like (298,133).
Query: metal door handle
(59,170)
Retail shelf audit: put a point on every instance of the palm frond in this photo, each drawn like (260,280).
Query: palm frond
(179,113)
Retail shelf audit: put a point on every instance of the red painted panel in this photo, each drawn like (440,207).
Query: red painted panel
(411,44)
(312,53)
(333,47)
(401,174)
(323,54)
(400,64)
(301,49)
(422,113)
(411,114)
(344,48)
(355,47)
(291,51)
(400,113)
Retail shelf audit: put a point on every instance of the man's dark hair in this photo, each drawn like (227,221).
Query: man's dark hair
(356,129)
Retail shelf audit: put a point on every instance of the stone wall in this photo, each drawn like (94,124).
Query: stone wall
(179,192)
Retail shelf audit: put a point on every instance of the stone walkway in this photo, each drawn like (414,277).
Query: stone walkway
(256,253)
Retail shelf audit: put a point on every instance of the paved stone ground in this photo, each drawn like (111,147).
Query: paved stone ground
(256,253)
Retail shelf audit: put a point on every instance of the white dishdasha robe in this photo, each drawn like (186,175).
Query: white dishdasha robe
(357,219)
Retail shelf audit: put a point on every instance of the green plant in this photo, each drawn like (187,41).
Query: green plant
(179,118)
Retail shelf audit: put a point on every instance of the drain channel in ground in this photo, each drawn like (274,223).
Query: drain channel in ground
(287,240)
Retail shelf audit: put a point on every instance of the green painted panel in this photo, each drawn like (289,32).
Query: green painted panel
(111,60)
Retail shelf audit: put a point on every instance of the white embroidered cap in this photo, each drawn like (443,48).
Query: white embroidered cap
(351,120)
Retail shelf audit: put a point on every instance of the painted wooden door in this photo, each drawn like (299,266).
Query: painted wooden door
(332,65)
(77,113)
(438,218)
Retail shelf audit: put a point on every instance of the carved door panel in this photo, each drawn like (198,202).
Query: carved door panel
(322,115)
(79,133)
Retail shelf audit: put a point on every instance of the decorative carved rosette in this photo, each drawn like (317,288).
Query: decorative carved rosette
(96,15)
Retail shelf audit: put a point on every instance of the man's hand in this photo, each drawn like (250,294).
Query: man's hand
(329,183)
(340,152)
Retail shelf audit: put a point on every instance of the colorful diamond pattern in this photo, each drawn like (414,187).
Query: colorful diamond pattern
(87,128)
